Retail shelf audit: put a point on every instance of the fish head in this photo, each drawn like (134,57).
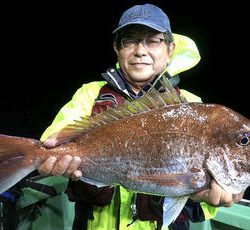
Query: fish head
(229,159)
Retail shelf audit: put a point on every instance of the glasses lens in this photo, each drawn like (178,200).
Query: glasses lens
(128,43)
(149,43)
(153,42)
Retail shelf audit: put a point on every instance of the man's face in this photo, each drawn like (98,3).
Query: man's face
(142,55)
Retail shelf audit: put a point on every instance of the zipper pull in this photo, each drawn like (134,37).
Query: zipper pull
(134,212)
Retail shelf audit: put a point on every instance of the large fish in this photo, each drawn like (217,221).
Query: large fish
(158,144)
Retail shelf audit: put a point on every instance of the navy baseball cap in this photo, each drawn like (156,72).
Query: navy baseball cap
(148,15)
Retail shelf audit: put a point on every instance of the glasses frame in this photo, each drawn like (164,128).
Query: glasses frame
(137,41)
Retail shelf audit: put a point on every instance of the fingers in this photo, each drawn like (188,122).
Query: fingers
(76,175)
(218,197)
(47,166)
(73,166)
(226,199)
(215,196)
(66,166)
(238,197)
(61,166)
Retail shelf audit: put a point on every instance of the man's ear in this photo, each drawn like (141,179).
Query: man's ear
(171,48)
(115,47)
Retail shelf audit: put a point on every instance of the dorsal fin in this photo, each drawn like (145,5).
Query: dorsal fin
(149,101)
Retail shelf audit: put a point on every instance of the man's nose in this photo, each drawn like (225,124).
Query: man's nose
(140,48)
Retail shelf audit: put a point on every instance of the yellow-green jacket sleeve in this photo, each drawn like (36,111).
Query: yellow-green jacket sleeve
(79,106)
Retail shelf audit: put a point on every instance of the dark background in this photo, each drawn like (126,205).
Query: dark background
(49,50)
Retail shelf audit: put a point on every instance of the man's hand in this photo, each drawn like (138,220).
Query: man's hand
(66,166)
(216,196)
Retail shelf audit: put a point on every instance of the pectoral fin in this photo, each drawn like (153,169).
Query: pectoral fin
(172,207)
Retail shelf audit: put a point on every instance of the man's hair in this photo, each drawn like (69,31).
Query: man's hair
(138,30)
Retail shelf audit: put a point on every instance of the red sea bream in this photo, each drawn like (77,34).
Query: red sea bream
(146,146)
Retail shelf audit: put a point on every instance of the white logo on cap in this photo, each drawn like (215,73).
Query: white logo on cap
(139,14)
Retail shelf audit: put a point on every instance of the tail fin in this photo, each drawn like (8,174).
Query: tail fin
(16,159)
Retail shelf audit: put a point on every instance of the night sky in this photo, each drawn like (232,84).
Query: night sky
(49,51)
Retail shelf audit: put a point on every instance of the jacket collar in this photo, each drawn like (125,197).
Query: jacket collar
(115,78)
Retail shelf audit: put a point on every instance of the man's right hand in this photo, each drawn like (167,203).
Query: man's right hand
(66,166)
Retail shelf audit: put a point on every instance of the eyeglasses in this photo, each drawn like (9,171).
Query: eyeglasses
(148,43)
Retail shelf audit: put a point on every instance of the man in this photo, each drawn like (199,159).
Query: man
(146,50)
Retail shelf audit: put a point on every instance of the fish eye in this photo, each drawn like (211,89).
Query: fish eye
(243,139)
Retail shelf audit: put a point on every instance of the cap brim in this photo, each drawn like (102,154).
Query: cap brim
(153,26)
